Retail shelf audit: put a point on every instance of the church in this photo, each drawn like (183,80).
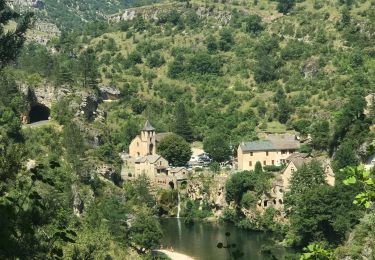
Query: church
(146,143)
(143,158)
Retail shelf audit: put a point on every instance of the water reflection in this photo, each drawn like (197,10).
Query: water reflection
(200,240)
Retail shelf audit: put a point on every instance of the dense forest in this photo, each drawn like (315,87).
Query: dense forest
(216,73)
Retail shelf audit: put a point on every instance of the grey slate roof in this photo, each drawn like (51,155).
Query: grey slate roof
(273,142)
(284,141)
(150,158)
(161,136)
(148,127)
(265,145)
(299,159)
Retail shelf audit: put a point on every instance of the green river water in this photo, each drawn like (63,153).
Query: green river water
(200,240)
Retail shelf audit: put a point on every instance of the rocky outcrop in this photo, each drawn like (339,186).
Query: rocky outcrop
(45,95)
(109,92)
(210,190)
(30,164)
(84,103)
(153,12)
(42,32)
(106,171)
(89,104)
(78,204)
(310,67)
(28,3)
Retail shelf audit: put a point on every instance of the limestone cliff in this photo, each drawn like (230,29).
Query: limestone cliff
(153,12)
(211,190)
(84,103)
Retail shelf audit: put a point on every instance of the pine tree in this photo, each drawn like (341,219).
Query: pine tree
(183,127)
(88,68)
(11,41)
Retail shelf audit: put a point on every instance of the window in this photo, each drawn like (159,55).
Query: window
(292,169)
(250,163)
(267,153)
(251,153)
(137,144)
(273,162)
(283,151)
(264,163)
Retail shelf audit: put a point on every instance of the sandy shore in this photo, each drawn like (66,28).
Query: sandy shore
(175,255)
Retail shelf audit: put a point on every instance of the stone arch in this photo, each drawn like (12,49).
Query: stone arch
(265,202)
(171,184)
(150,148)
(280,201)
(38,113)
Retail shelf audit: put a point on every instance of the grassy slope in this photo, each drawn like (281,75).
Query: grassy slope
(305,23)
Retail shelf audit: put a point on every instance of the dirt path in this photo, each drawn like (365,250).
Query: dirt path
(175,255)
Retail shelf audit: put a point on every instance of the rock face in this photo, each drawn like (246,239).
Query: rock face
(310,68)
(84,103)
(153,12)
(212,191)
(29,3)
(42,32)
(44,95)
(30,164)
(109,92)
(89,104)
(107,171)
(78,204)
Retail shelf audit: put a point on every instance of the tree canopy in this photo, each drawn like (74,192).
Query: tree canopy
(217,146)
(175,149)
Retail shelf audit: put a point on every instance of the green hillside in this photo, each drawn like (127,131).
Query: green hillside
(73,14)
(259,71)
(215,72)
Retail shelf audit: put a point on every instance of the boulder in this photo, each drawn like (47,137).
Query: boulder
(109,92)
(310,67)
(89,104)
(78,204)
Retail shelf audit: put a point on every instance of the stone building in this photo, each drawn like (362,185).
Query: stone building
(295,162)
(146,143)
(143,144)
(272,151)
(275,197)
(151,165)
(143,159)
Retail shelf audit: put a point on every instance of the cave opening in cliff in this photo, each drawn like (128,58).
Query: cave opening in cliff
(38,113)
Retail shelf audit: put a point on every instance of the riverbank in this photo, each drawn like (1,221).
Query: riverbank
(175,255)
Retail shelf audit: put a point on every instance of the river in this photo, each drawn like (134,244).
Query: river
(200,240)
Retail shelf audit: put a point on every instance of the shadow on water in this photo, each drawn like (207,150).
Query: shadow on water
(200,240)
